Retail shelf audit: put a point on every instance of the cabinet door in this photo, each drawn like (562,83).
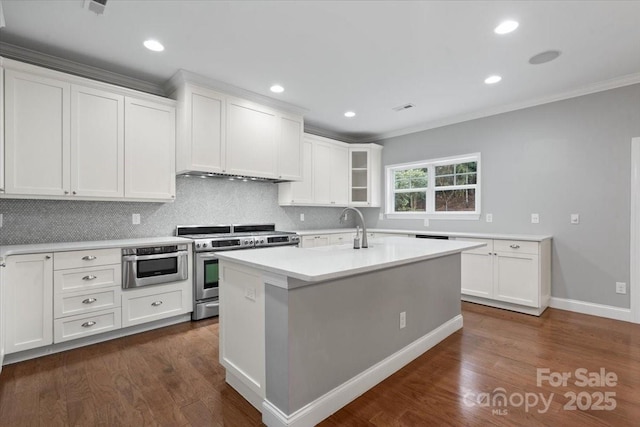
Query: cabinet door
(516,278)
(339,170)
(36,135)
(97,143)
(290,148)
(302,191)
(477,274)
(322,171)
(359,177)
(150,142)
(251,148)
(28,303)
(207,131)
(1,164)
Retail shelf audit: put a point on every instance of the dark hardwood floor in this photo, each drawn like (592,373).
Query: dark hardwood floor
(171,377)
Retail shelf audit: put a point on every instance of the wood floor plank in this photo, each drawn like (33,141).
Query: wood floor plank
(172,377)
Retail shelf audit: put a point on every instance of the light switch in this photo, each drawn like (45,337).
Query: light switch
(489,217)
(426,222)
(535,218)
(135,219)
(302,217)
(575,219)
(381,216)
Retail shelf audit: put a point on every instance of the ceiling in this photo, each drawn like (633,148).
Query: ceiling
(364,56)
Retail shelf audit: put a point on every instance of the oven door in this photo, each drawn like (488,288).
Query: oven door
(207,276)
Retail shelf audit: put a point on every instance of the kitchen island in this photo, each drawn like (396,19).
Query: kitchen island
(305,331)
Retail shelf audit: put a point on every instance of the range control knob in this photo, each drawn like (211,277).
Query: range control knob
(197,245)
(246,242)
(262,241)
(204,245)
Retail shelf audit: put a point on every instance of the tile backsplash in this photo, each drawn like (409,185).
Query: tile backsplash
(198,201)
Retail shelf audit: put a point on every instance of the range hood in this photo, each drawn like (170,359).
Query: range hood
(230,177)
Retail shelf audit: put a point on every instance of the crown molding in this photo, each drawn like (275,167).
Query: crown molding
(183,76)
(614,83)
(71,67)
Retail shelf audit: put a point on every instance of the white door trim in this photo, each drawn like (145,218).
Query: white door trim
(634,287)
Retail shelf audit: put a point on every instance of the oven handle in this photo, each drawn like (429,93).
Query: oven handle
(204,256)
(156,256)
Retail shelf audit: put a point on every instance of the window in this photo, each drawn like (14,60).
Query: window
(439,188)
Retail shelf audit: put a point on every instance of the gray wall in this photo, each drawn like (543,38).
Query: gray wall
(198,201)
(565,157)
(321,335)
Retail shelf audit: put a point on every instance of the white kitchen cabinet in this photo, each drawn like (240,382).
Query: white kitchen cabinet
(37,139)
(27,304)
(365,169)
(314,241)
(251,147)
(149,303)
(509,274)
(325,175)
(149,150)
(2,309)
(201,130)
(1,155)
(341,238)
(289,141)
(97,143)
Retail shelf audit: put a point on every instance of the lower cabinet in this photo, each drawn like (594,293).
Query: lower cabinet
(508,274)
(314,241)
(151,303)
(28,302)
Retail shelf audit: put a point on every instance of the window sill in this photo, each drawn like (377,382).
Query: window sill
(449,216)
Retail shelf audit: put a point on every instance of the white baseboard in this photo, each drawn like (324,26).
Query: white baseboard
(340,396)
(591,308)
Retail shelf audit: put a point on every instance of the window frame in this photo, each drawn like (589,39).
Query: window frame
(430,212)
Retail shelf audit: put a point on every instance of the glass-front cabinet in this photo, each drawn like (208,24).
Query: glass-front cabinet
(364,175)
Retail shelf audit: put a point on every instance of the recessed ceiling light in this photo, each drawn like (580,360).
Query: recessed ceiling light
(277,89)
(544,57)
(506,27)
(153,45)
(492,80)
(349,114)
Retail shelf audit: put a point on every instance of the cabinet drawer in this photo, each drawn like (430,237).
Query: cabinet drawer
(515,246)
(143,308)
(483,250)
(85,302)
(87,278)
(70,328)
(89,258)
(340,239)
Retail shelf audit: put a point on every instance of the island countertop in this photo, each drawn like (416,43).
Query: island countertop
(332,262)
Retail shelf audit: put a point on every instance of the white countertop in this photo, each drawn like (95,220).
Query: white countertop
(97,244)
(332,262)
(524,237)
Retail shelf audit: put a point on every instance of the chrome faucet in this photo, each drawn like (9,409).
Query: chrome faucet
(343,217)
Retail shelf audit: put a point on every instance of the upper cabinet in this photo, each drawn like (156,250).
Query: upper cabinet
(223,134)
(335,174)
(150,150)
(68,137)
(365,168)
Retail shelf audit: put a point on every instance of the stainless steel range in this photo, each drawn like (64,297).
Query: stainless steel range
(209,239)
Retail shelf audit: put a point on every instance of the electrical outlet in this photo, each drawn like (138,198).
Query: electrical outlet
(302,217)
(489,218)
(135,219)
(575,218)
(381,216)
(1,220)
(535,218)
(621,288)
(250,294)
(426,222)
(403,319)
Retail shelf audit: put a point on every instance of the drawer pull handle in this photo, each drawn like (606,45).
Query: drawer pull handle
(156,303)
(90,277)
(89,257)
(514,246)
(88,324)
(89,301)
(47,257)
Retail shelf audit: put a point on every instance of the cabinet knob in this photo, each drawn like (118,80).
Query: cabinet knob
(2,264)
(73,192)
(156,303)
(514,246)
(89,301)
(88,324)
(66,192)
(89,257)
(47,257)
